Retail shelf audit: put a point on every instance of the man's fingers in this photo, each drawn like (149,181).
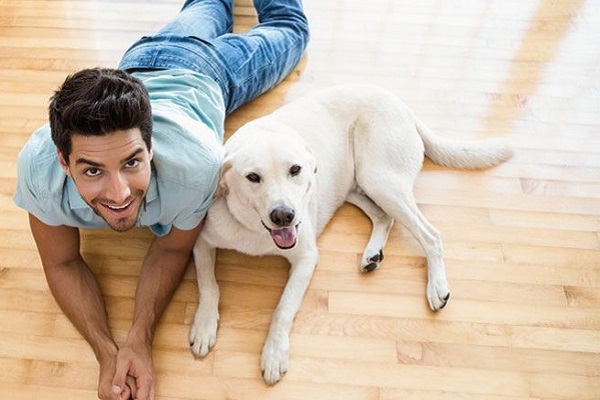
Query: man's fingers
(131,384)
(118,382)
(116,391)
(144,390)
(126,393)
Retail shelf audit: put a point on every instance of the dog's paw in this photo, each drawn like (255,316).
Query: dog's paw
(371,262)
(203,332)
(438,294)
(274,360)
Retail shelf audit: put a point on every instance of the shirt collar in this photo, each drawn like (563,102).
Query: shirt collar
(75,199)
(152,192)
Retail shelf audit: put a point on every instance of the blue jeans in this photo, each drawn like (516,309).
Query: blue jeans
(243,65)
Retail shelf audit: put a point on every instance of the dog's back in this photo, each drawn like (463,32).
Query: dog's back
(377,124)
(358,132)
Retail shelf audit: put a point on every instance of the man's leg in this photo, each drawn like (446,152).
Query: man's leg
(199,21)
(262,57)
(243,65)
(203,19)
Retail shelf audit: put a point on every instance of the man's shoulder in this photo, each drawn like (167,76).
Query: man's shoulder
(185,151)
(38,164)
(40,141)
(187,169)
(41,181)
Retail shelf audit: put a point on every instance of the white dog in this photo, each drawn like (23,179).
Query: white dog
(284,176)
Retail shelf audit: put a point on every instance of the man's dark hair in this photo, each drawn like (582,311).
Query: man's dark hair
(96,102)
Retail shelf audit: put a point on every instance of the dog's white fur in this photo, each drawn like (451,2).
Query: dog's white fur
(284,176)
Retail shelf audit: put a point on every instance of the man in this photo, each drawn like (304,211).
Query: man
(141,146)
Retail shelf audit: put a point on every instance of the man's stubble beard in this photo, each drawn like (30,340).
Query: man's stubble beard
(122,224)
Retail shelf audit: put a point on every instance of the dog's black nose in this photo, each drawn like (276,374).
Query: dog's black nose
(282,216)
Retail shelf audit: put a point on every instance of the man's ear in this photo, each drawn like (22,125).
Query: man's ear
(150,152)
(222,189)
(63,163)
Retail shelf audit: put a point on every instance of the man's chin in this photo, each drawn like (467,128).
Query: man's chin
(121,226)
(119,223)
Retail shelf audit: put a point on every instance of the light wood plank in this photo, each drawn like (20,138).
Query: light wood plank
(522,242)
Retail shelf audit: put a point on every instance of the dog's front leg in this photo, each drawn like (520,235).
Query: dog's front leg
(275,353)
(203,332)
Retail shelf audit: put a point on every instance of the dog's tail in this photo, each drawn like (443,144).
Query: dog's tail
(463,154)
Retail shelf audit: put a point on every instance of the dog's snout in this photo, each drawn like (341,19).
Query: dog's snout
(282,216)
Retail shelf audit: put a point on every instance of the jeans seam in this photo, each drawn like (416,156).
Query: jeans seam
(278,57)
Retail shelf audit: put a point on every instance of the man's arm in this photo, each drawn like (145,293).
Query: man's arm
(161,273)
(76,291)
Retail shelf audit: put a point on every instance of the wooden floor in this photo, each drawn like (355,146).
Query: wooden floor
(522,240)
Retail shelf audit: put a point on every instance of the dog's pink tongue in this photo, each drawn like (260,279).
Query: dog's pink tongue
(284,238)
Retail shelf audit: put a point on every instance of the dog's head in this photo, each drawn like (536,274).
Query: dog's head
(267,179)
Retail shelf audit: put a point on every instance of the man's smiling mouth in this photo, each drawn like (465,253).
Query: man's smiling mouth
(119,208)
(115,209)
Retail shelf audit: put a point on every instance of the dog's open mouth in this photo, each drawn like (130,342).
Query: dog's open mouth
(284,238)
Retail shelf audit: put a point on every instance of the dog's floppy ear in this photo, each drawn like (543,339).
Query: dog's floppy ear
(222,189)
(312,158)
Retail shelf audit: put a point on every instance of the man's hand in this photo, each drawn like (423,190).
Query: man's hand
(76,291)
(161,273)
(134,375)
(106,390)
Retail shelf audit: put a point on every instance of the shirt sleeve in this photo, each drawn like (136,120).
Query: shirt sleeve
(195,213)
(30,194)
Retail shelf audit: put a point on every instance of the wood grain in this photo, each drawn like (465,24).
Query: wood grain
(522,240)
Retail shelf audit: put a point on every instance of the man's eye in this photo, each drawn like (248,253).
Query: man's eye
(92,172)
(132,163)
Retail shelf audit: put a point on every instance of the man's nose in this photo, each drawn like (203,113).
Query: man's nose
(118,189)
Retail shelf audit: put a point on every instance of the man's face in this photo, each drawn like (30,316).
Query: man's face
(112,174)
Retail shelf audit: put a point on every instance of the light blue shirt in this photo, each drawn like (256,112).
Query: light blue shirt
(188,114)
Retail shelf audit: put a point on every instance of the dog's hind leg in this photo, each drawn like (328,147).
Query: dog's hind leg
(203,332)
(382,223)
(398,201)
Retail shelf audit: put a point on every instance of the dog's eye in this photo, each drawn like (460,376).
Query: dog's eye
(295,170)
(252,177)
